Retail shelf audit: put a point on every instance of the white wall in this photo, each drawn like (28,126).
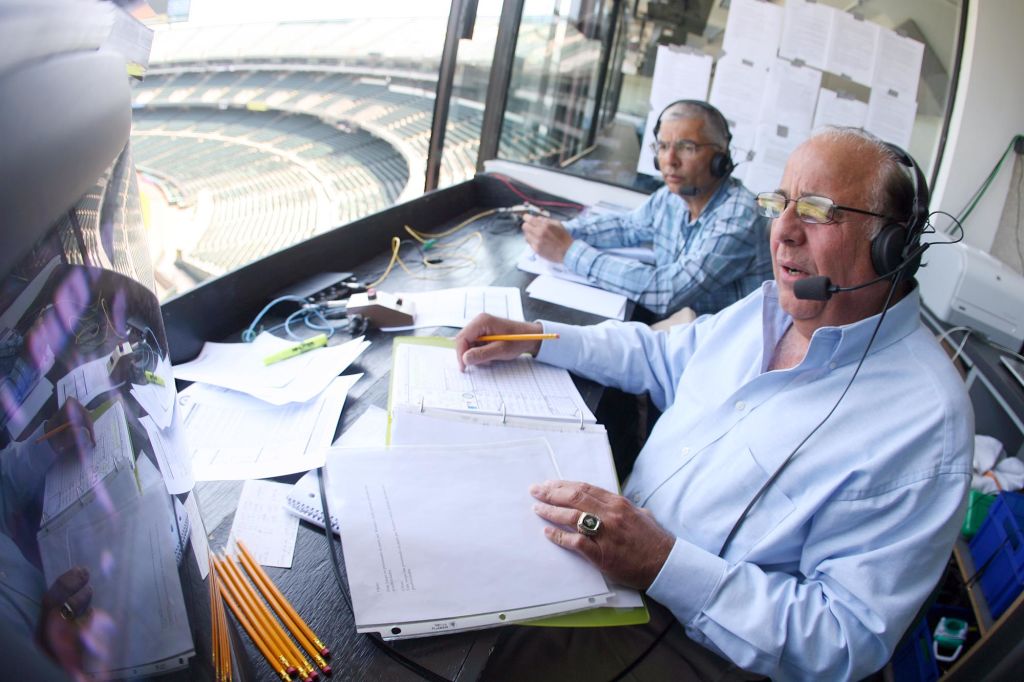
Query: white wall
(988,111)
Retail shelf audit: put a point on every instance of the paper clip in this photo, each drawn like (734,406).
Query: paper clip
(421,404)
(504,412)
(581,418)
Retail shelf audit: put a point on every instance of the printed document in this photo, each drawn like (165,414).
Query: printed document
(428,376)
(578,296)
(456,307)
(240,367)
(127,536)
(72,477)
(234,436)
(439,539)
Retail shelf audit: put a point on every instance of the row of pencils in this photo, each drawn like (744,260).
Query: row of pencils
(255,602)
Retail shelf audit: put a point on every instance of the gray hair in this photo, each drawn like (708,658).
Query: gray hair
(713,125)
(892,192)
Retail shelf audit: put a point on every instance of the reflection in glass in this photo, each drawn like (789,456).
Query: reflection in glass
(94,537)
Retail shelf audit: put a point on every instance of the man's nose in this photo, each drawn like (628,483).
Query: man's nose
(788,226)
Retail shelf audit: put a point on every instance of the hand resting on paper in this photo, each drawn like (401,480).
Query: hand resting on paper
(469,351)
(547,237)
(630,547)
(65,611)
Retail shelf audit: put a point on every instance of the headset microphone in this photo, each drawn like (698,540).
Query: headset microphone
(821,288)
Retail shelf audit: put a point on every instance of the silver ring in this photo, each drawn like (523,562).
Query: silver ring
(66,612)
(588,524)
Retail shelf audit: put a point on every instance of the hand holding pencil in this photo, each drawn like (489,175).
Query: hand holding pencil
(69,429)
(488,338)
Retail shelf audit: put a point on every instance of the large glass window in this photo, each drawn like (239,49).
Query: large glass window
(261,124)
(591,75)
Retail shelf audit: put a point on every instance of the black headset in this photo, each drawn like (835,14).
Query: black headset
(897,247)
(721,162)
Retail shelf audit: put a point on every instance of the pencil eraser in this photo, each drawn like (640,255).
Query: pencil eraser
(292,671)
(327,670)
(325,652)
(314,675)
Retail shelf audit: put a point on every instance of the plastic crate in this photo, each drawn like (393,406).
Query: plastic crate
(913,660)
(978,505)
(998,552)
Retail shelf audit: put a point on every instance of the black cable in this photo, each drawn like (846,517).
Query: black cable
(792,454)
(405,661)
(657,640)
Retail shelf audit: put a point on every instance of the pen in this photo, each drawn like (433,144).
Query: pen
(517,337)
(298,349)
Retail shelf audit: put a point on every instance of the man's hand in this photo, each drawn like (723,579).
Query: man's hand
(471,352)
(65,611)
(630,547)
(547,237)
(71,427)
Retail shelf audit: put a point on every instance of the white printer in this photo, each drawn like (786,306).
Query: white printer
(963,285)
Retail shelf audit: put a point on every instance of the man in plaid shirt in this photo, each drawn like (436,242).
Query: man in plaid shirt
(710,245)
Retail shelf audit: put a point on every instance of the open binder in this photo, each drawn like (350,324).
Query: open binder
(516,400)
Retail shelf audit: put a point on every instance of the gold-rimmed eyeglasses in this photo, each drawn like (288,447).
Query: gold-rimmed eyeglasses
(810,209)
(680,147)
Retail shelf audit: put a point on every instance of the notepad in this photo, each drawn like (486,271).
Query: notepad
(425,374)
(505,402)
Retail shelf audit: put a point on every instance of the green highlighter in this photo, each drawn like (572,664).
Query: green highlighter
(298,349)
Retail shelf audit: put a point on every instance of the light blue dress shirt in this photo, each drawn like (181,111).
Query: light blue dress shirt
(830,565)
(706,264)
(23,467)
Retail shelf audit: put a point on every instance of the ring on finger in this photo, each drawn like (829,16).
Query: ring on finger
(588,524)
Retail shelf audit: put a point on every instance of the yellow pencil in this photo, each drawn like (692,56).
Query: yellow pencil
(270,624)
(277,600)
(53,432)
(293,626)
(517,337)
(271,642)
(254,635)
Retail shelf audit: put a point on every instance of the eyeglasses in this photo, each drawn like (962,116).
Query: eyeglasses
(810,209)
(681,147)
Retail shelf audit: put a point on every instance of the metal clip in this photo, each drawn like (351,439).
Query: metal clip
(504,412)
(581,418)
(421,404)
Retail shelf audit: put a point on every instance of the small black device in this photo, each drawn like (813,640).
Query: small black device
(721,162)
(325,286)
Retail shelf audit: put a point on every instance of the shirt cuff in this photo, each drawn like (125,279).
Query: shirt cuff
(564,351)
(687,580)
(580,257)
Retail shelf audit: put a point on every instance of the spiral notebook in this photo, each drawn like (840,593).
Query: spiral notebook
(304,501)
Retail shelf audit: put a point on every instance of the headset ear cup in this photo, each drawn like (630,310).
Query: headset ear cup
(721,164)
(887,249)
(657,166)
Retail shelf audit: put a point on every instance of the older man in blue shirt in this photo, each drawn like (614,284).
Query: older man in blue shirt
(710,245)
(791,518)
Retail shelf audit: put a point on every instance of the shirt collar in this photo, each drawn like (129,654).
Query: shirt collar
(842,344)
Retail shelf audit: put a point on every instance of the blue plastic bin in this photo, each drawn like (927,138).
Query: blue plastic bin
(998,552)
(913,660)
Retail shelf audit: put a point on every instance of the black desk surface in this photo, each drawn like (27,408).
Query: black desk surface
(310,584)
